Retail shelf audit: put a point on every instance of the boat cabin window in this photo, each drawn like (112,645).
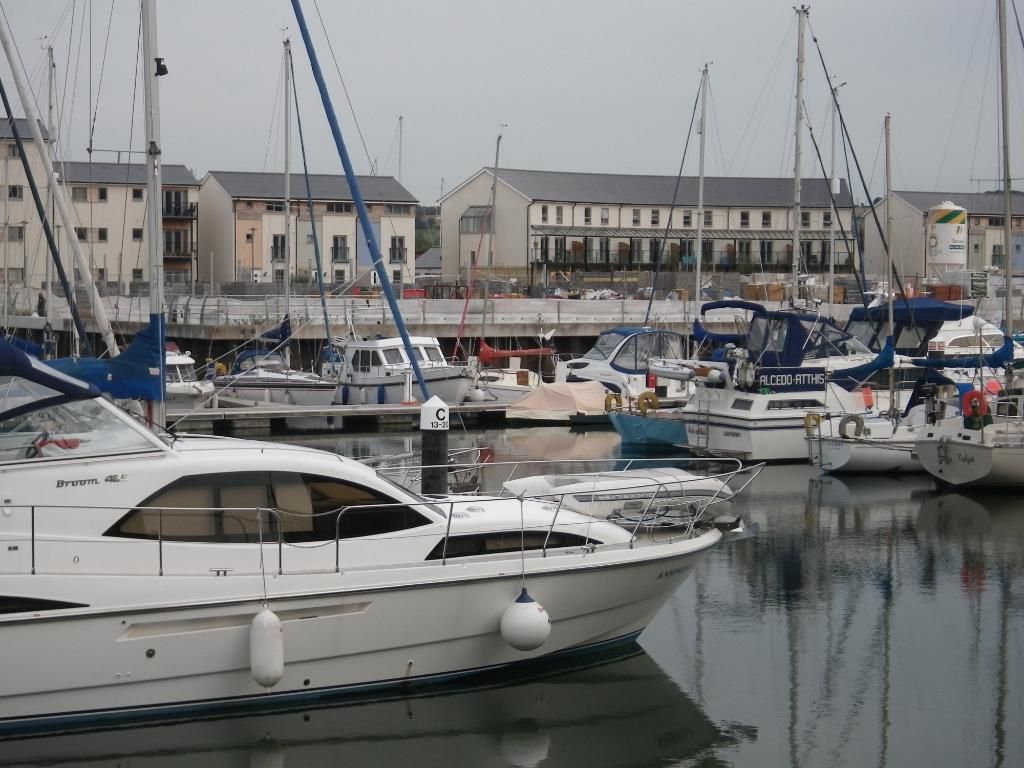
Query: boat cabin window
(269,361)
(235,507)
(180,373)
(393,357)
(419,354)
(627,355)
(365,359)
(990,340)
(68,430)
(434,354)
(782,405)
(742,404)
(505,541)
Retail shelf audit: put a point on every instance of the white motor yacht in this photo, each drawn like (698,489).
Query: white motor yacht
(184,389)
(263,376)
(379,371)
(150,576)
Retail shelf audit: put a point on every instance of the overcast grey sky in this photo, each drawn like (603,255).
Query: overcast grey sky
(583,85)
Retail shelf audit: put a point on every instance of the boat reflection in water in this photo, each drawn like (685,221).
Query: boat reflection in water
(611,711)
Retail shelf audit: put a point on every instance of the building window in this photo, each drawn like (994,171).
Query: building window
(137,194)
(79,194)
(656,217)
(136,233)
(278,275)
(586,216)
(397,251)
(709,218)
(277,248)
(805,219)
(339,275)
(16,192)
(825,246)
(604,217)
(766,219)
(339,207)
(101,275)
(276,206)
(101,194)
(396,277)
(558,214)
(687,218)
(543,214)
(81,234)
(766,251)
(15,234)
(12,150)
(636,217)
(101,234)
(744,219)
(826,219)
(995,221)
(396,209)
(136,275)
(248,237)
(339,248)
(248,203)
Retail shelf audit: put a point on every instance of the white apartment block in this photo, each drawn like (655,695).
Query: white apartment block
(601,222)
(242,231)
(23,250)
(108,203)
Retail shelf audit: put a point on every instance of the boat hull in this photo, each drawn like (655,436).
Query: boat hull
(648,432)
(960,462)
(167,659)
(450,384)
(854,455)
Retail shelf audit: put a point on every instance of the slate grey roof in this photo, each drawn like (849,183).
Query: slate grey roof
(626,189)
(980,203)
(79,172)
(429,259)
(24,129)
(270,186)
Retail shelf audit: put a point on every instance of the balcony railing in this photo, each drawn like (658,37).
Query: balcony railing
(181,211)
(339,254)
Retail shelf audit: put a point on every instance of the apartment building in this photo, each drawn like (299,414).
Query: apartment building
(108,203)
(602,222)
(242,231)
(23,252)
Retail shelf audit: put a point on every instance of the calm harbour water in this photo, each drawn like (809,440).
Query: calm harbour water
(872,621)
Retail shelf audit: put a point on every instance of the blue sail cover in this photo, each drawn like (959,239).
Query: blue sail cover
(702,334)
(132,375)
(850,378)
(282,333)
(922,313)
(23,344)
(997,359)
(59,388)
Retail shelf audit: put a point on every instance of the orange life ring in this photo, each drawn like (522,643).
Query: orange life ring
(974,396)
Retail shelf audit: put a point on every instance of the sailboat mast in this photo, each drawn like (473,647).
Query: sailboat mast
(833,193)
(1004,100)
(492,231)
(51,130)
(700,189)
(287,192)
(153,69)
(802,12)
(890,296)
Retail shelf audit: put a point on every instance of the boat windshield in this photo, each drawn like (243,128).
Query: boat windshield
(74,429)
(271,362)
(825,340)
(606,344)
(180,373)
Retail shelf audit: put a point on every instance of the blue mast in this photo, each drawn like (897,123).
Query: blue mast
(357,197)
